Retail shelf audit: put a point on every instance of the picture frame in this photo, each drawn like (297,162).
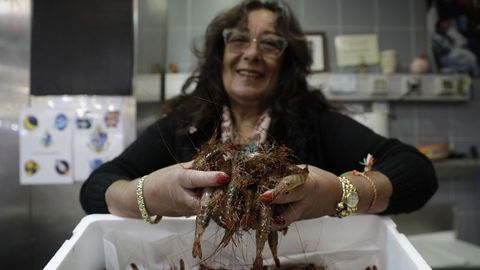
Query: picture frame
(454,46)
(317,45)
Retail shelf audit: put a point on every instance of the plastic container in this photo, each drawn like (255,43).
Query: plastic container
(355,242)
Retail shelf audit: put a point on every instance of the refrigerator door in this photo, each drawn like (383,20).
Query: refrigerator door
(14,89)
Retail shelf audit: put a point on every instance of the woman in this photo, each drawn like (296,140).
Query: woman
(251,81)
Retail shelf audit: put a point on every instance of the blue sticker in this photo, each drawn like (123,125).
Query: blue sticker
(47,139)
(95,163)
(61,121)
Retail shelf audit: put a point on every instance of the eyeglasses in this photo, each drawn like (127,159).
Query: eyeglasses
(238,41)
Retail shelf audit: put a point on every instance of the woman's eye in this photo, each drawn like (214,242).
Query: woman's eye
(270,42)
(239,39)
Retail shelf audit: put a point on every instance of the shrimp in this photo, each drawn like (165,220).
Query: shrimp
(212,157)
(290,182)
(246,221)
(209,204)
(273,243)
(202,220)
(262,233)
(237,183)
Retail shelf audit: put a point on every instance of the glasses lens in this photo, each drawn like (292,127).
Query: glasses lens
(272,44)
(237,41)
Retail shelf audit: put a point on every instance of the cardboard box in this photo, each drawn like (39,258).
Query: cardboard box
(355,242)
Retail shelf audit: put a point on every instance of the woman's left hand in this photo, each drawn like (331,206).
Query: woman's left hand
(315,198)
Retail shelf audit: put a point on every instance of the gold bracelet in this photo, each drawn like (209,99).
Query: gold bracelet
(141,204)
(375,193)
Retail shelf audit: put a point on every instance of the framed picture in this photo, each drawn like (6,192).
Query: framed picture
(316,43)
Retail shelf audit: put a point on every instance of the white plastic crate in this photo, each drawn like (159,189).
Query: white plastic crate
(107,241)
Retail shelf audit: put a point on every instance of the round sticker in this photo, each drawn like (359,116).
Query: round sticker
(61,121)
(98,140)
(30,122)
(62,167)
(31,167)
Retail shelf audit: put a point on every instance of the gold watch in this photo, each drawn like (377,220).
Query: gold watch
(349,202)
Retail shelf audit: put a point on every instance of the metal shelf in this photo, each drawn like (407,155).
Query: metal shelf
(395,87)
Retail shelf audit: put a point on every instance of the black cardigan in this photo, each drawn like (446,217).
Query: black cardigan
(330,141)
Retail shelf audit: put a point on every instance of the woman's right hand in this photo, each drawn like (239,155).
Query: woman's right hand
(170,191)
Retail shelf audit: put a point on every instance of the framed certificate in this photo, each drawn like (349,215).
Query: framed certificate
(354,50)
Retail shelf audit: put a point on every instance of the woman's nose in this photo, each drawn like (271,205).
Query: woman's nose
(252,51)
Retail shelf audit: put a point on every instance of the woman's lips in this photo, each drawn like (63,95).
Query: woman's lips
(249,73)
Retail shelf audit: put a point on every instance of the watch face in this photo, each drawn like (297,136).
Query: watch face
(352,199)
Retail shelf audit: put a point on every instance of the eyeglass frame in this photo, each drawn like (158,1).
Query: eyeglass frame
(256,40)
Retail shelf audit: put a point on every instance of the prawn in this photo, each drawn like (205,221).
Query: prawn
(262,233)
(202,220)
(290,182)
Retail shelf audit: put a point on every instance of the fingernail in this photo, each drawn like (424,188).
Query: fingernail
(222,178)
(267,196)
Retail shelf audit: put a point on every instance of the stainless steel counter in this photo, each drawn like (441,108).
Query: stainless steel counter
(455,169)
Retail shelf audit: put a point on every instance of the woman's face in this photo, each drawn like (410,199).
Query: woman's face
(250,76)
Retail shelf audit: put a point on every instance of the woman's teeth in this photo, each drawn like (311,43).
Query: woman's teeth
(251,74)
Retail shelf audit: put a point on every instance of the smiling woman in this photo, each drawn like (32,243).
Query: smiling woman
(250,91)
(251,69)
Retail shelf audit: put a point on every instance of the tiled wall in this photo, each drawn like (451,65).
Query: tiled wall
(400,25)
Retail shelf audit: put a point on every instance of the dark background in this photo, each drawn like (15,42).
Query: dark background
(82,47)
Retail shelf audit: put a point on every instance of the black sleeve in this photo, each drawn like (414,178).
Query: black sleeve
(348,142)
(152,150)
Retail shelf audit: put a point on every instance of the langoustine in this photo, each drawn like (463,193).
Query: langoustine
(237,206)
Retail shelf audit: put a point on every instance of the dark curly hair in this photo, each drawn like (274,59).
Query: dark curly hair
(209,94)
